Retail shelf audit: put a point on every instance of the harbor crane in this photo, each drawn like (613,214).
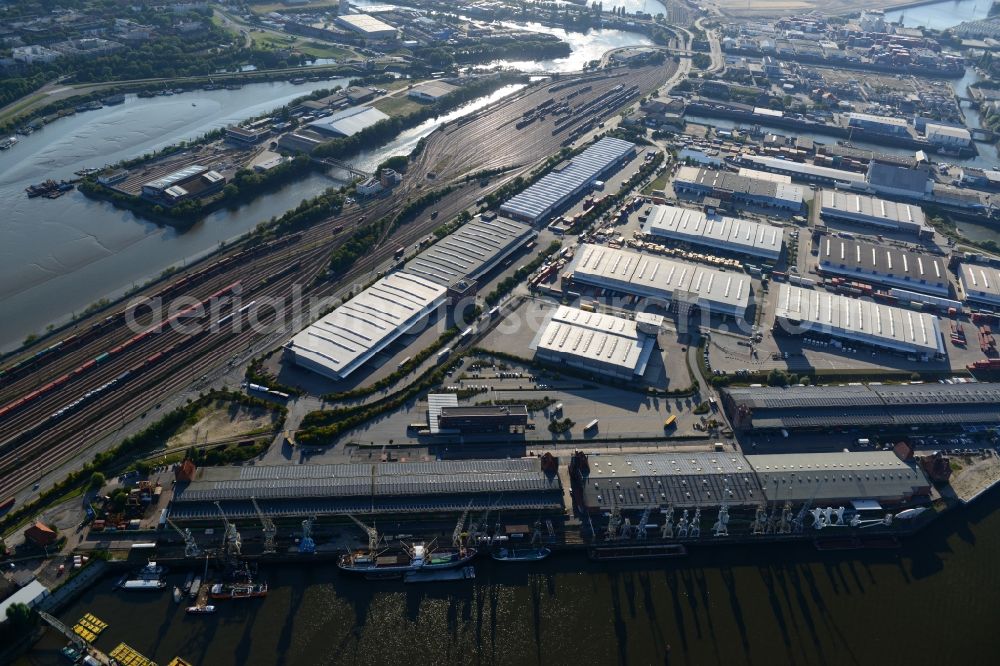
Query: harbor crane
(370,531)
(267,525)
(614,522)
(232,541)
(191,549)
(456,536)
(640,532)
(306,543)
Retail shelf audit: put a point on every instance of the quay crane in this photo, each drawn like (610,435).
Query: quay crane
(232,542)
(640,532)
(370,531)
(191,549)
(306,543)
(267,525)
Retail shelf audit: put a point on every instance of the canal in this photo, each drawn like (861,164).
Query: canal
(930,602)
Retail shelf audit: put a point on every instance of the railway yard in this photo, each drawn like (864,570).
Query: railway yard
(73,388)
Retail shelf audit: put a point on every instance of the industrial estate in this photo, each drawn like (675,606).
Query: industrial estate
(712,290)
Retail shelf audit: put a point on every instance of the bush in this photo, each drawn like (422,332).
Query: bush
(702,408)
(97,480)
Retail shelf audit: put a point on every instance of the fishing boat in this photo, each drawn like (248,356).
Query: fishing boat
(465,573)
(521,554)
(200,610)
(243,590)
(417,557)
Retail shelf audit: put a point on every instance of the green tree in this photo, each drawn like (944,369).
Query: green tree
(97,480)
(19,616)
(777,378)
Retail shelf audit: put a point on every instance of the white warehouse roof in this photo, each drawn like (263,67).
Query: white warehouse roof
(880,120)
(566,181)
(660,278)
(470,252)
(596,342)
(872,210)
(862,321)
(981,283)
(726,233)
(349,121)
(346,338)
(365,24)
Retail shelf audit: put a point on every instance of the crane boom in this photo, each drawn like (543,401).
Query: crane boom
(191,548)
(267,525)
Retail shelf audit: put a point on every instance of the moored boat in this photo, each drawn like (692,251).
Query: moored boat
(200,610)
(637,552)
(521,554)
(413,558)
(195,586)
(177,594)
(245,590)
(144,585)
(465,573)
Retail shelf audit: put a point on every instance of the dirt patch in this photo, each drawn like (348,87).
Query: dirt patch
(975,475)
(221,422)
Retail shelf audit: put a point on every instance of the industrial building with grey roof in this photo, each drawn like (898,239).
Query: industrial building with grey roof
(843,477)
(872,405)
(727,234)
(567,180)
(663,279)
(634,481)
(404,489)
(746,190)
(981,284)
(471,252)
(873,212)
(342,341)
(599,343)
(808,312)
(883,264)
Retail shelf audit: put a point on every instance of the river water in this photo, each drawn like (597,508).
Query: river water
(931,602)
(58,256)
(941,15)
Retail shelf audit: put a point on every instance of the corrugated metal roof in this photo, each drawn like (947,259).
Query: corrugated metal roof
(725,233)
(555,187)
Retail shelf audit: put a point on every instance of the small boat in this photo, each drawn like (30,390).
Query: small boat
(602,553)
(195,586)
(238,590)
(187,583)
(9,142)
(152,571)
(200,610)
(144,585)
(177,594)
(465,573)
(521,554)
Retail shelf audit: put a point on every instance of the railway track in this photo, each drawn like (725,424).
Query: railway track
(27,441)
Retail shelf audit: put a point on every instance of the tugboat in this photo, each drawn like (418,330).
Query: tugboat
(373,563)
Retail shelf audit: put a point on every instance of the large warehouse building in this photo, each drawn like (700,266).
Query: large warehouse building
(339,343)
(874,212)
(397,490)
(883,265)
(858,477)
(744,190)
(471,252)
(685,479)
(663,279)
(865,406)
(981,285)
(807,312)
(349,121)
(567,180)
(802,172)
(880,124)
(727,234)
(599,343)
(189,182)
(367,26)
